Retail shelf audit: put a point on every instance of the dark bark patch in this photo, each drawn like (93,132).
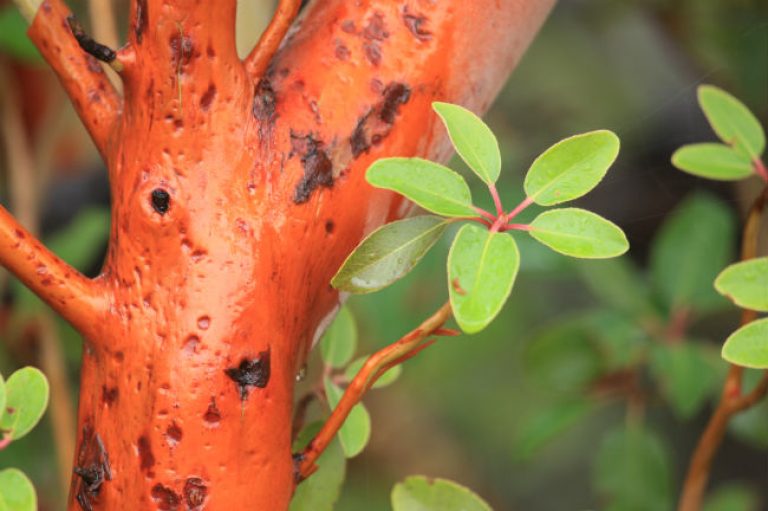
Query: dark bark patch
(109,395)
(318,168)
(146,458)
(174,433)
(195,492)
(182,49)
(250,373)
(141,21)
(329,226)
(373,52)
(207,98)
(415,23)
(161,200)
(374,32)
(92,468)
(212,415)
(165,498)
(376,124)
(264,101)
(88,45)
(348,26)
(342,52)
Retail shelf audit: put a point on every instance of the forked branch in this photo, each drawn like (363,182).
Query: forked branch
(376,365)
(257,61)
(93,96)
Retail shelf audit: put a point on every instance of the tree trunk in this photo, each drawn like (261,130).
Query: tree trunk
(237,192)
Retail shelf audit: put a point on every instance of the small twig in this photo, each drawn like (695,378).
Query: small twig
(376,365)
(257,61)
(732,400)
(102,16)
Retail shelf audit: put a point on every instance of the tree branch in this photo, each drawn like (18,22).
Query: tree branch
(732,399)
(93,96)
(376,365)
(257,61)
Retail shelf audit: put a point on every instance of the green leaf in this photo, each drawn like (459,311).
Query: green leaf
(388,254)
(746,284)
(748,346)
(685,375)
(632,471)
(321,491)
(340,340)
(546,425)
(13,36)
(27,390)
(16,491)
(712,161)
(571,167)
(473,140)
(386,379)
(732,497)
(83,239)
(356,431)
(732,121)
(419,493)
(579,233)
(690,249)
(619,284)
(3,396)
(482,267)
(432,186)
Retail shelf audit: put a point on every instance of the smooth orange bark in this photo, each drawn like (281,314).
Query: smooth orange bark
(235,199)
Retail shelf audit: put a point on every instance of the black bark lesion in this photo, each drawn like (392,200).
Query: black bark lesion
(318,167)
(376,124)
(253,372)
(87,43)
(92,469)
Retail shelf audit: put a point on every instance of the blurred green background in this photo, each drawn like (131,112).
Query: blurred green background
(591,388)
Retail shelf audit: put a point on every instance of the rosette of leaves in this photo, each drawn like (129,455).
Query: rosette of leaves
(737,157)
(484,258)
(23,400)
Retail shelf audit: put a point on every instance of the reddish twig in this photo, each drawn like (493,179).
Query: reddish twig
(257,61)
(376,365)
(93,96)
(732,399)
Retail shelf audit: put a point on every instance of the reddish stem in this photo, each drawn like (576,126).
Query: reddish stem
(484,213)
(520,207)
(256,63)
(760,169)
(496,199)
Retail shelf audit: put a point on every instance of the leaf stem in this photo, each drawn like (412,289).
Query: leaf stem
(484,213)
(760,169)
(517,227)
(496,199)
(519,208)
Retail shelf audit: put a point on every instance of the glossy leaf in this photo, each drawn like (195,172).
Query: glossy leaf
(482,267)
(746,284)
(419,493)
(579,233)
(712,161)
(732,121)
(388,378)
(27,397)
(690,249)
(632,471)
(748,346)
(685,374)
(321,491)
(473,139)
(432,186)
(571,167)
(340,340)
(388,254)
(16,491)
(356,431)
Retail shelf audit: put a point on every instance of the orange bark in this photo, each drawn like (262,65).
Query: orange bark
(235,198)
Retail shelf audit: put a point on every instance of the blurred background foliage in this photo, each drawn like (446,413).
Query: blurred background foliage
(592,387)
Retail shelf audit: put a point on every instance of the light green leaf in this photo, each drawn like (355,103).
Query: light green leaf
(482,267)
(579,233)
(3,397)
(419,493)
(732,121)
(712,161)
(356,431)
(685,375)
(27,390)
(16,491)
(388,254)
(732,497)
(432,186)
(321,491)
(571,167)
(473,139)
(748,346)
(386,379)
(633,471)
(746,284)
(690,249)
(13,36)
(340,340)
